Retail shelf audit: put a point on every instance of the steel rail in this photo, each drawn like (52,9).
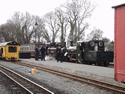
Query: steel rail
(29,81)
(105,85)
(27,90)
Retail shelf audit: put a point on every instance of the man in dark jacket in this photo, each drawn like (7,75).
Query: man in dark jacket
(82,49)
(58,53)
(37,53)
(42,53)
(46,50)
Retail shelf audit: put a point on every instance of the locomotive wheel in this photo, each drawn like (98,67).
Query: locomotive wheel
(97,64)
(106,64)
(79,61)
(90,63)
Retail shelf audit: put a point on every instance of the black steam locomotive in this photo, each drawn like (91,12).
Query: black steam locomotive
(91,52)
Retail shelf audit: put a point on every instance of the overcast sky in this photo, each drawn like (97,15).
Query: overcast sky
(102,18)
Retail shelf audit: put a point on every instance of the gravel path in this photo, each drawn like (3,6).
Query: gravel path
(3,84)
(60,85)
(102,71)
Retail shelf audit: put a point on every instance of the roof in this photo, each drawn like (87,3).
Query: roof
(118,5)
(4,44)
(9,43)
(72,47)
(96,40)
(82,41)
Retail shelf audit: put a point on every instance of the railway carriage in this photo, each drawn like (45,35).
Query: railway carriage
(9,50)
(30,48)
(27,48)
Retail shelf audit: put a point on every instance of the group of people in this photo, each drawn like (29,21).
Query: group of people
(42,50)
(61,54)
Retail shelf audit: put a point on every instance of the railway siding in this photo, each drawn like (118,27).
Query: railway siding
(95,72)
(62,83)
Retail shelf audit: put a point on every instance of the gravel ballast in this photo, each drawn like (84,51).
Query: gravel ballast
(61,85)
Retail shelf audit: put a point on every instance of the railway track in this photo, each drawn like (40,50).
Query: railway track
(28,86)
(100,84)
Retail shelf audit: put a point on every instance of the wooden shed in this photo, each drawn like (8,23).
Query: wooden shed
(119,43)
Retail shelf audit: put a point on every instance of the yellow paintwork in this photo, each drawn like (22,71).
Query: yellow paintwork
(10,55)
(34,71)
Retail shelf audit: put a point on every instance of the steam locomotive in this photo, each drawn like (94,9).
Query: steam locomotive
(91,52)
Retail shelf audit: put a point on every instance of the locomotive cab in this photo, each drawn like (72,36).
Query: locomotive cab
(96,45)
(93,52)
(97,54)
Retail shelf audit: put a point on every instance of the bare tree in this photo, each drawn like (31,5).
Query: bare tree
(62,22)
(46,35)
(22,24)
(77,12)
(110,46)
(52,24)
(95,34)
(106,40)
(25,27)
(40,30)
(6,32)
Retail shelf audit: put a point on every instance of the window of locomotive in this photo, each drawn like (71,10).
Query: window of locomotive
(96,47)
(79,44)
(12,49)
(93,46)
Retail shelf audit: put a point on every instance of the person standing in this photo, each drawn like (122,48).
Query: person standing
(37,53)
(82,49)
(58,53)
(46,50)
(42,53)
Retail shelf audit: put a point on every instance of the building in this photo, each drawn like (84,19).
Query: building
(119,43)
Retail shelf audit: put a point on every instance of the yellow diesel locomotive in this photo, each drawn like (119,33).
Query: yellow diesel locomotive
(9,50)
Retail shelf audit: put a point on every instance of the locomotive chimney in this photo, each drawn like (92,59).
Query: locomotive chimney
(71,43)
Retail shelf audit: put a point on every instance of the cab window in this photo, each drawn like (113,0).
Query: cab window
(93,46)
(12,49)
